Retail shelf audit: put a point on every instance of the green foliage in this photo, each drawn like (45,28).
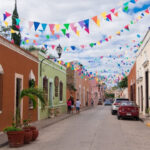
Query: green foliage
(109,95)
(12,128)
(14,36)
(33,48)
(123,83)
(31,83)
(5,31)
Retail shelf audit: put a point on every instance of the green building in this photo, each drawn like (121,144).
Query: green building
(52,79)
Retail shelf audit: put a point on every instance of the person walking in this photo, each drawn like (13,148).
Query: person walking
(69,105)
(72,103)
(78,104)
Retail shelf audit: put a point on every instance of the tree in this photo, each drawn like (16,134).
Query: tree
(15,36)
(123,83)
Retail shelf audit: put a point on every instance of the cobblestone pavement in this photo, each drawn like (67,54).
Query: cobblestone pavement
(94,129)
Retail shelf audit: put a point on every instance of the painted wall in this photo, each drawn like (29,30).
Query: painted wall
(52,69)
(15,61)
(142,66)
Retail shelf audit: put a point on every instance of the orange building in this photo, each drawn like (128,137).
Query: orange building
(17,68)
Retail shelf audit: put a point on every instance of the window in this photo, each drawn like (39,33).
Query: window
(1,91)
(18,90)
(61,91)
(56,80)
(45,88)
(31,84)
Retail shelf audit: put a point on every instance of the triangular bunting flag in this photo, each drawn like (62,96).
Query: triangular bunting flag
(68,35)
(98,22)
(12,31)
(66,26)
(133,1)
(58,36)
(12,41)
(45,46)
(126,9)
(127,27)
(87,30)
(53,46)
(106,39)
(6,23)
(98,43)
(57,26)
(109,17)
(4,16)
(118,33)
(7,14)
(116,14)
(44,25)
(82,46)
(73,47)
(147,11)
(78,33)
(36,25)
(95,19)
(104,15)
(112,10)
(63,31)
(91,44)
(51,26)
(17,26)
(17,21)
(81,23)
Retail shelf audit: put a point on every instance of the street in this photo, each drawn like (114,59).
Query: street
(93,129)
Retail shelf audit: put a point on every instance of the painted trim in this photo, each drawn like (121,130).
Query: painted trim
(53,67)
(52,61)
(17,50)
(21,77)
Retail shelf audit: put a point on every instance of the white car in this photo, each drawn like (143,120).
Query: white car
(116,104)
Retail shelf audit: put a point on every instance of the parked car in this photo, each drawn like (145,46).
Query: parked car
(107,102)
(128,109)
(100,102)
(116,104)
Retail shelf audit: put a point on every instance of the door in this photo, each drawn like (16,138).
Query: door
(147,88)
(51,93)
(142,98)
(18,90)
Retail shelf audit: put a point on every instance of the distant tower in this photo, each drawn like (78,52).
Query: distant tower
(15,26)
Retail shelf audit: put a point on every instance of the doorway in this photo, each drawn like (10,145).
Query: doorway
(147,88)
(51,93)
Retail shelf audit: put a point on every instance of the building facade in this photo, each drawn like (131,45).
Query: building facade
(52,79)
(142,75)
(17,68)
(132,84)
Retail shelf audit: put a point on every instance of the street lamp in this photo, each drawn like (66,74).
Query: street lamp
(59,52)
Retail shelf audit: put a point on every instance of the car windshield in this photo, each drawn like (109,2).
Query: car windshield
(125,103)
(120,100)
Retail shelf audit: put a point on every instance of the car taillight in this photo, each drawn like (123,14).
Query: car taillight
(116,103)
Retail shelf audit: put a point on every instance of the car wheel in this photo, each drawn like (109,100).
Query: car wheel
(112,112)
(137,118)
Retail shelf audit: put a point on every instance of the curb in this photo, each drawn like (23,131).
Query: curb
(51,123)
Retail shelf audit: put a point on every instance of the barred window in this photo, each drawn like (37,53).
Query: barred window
(61,91)
(45,87)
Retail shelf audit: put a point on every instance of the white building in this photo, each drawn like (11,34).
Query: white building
(142,75)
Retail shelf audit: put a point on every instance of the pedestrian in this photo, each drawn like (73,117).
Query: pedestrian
(72,103)
(78,104)
(69,105)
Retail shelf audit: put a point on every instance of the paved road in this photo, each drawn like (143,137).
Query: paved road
(94,129)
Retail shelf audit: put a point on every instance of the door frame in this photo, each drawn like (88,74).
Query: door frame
(20,76)
(50,81)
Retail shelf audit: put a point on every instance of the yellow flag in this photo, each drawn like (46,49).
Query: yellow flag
(6,23)
(98,22)
(104,15)
(59,62)
(98,43)
(68,65)
(78,33)
(12,31)
(27,41)
(57,26)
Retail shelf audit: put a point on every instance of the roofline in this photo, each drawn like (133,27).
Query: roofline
(17,49)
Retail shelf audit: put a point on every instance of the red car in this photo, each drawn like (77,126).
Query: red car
(128,109)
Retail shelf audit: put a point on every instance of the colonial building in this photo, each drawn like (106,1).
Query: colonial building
(77,86)
(132,84)
(52,79)
(17,68)
(142,75)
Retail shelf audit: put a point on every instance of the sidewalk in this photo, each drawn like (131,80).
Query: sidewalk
(40,125)
(144,119)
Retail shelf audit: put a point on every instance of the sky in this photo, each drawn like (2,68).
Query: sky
(118,54)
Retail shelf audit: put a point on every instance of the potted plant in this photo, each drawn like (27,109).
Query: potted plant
(15,132)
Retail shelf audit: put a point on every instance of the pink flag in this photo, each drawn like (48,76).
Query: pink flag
(87,30)
(112,10)
(51,26)
(17,26)
(53,46)
(109,17)
(58,36)
(7,14)
(82,46)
